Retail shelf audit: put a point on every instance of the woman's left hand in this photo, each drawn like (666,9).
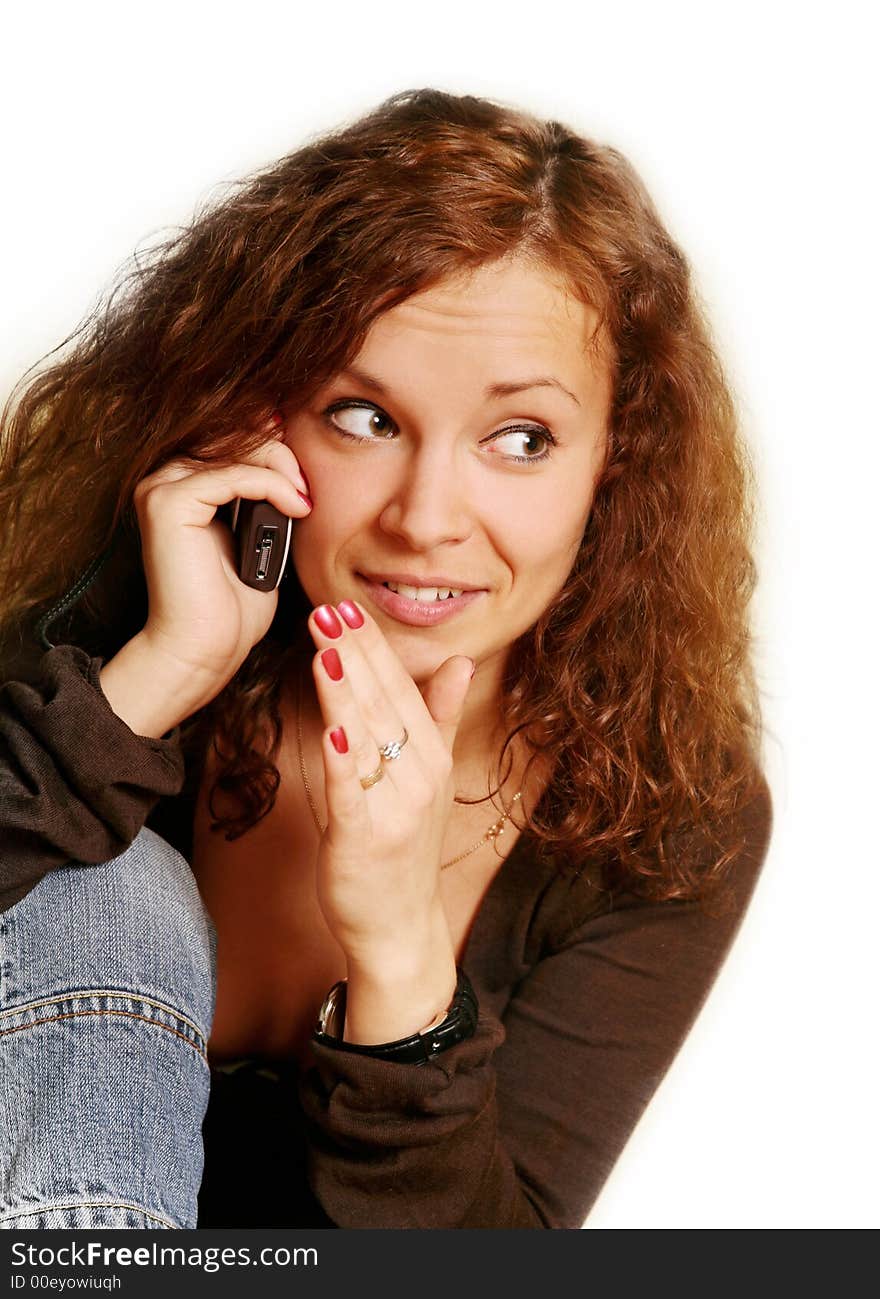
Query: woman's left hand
(378,869)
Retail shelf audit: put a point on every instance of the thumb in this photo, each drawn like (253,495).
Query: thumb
(445,693)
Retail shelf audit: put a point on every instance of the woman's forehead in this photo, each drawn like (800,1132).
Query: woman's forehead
(496,315)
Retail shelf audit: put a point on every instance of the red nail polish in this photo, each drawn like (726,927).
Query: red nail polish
(351,613)
(332,664)
(326,619)
(302,496)
(338,740)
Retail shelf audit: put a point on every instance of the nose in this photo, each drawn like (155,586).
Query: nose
(428,507)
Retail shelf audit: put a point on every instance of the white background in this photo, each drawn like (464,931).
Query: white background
(753,128)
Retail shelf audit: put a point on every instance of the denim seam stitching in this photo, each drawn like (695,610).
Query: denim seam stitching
(101,992)
(127,1014)
(89,1204)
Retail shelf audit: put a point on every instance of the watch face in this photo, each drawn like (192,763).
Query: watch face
(331,1016)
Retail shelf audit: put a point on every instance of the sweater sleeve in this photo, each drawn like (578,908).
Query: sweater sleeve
(520,1125)
(76,784)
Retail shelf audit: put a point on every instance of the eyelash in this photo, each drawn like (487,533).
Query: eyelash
(536,430)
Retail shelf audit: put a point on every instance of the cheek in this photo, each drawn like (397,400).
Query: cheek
(546,548)
(548,528)
(339,492)
(340,517)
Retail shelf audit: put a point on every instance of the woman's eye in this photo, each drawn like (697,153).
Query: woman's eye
(359,421)
(525,439)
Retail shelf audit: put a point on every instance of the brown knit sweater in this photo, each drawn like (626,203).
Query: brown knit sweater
(585,998)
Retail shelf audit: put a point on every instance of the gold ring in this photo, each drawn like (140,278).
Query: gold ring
(373,778)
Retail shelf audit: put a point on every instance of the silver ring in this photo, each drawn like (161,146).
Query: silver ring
(374,777)
(391,751)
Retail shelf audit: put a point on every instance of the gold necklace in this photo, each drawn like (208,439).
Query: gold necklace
(495,830)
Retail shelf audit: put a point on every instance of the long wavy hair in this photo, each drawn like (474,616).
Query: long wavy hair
(637,678)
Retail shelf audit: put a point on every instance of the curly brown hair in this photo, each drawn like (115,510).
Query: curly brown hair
(637,678)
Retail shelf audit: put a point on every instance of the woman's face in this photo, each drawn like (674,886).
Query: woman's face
(460,450)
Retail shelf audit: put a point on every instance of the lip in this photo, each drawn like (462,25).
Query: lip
(415,613)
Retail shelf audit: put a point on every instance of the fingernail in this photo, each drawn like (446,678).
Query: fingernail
(351,613)
(302,496)
(332,664)
(326,619)
(338,740)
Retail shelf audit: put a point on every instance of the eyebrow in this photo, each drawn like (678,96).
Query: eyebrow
(493,390)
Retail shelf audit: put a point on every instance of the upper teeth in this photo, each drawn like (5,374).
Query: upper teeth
(422,592)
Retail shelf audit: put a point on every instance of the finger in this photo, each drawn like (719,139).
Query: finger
(279,455)
(445,695)
(346,799)
(374,716)
(339,710)
(280,447)
(195,497)
(274,453)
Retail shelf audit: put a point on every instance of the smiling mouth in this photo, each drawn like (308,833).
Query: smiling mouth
(427,588)
(424,594)
(418,606)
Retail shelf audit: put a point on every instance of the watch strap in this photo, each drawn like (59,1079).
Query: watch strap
(459,1022)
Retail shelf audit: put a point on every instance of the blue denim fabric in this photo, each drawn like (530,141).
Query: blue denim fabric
(107,983)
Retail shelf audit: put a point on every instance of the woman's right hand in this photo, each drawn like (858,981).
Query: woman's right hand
(200,614)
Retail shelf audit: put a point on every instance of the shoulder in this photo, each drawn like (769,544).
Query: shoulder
(758,818)
(745,837)
(577,904)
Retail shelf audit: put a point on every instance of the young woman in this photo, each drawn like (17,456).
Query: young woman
(476,790)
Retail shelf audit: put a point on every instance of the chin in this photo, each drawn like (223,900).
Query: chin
(421,662)
(420,667)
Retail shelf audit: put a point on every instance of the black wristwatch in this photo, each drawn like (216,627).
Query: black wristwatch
(458,1023)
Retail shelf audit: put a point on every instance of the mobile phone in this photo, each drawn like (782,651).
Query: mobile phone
(263,537)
